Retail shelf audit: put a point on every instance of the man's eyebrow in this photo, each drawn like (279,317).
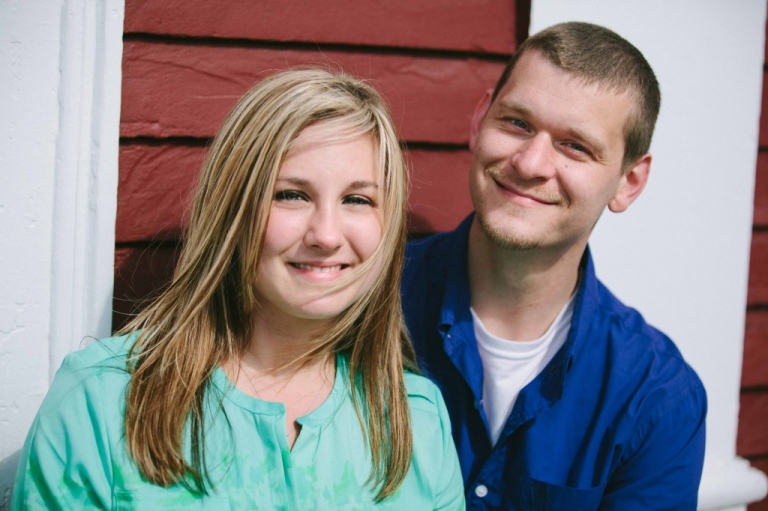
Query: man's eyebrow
(512,106)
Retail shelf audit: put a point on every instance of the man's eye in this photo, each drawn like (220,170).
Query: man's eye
(289,195)
(358,200)
(517,123)
(578,148)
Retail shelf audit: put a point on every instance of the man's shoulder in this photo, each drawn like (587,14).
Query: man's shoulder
(645,356)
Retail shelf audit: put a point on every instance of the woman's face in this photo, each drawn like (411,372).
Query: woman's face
(323,223)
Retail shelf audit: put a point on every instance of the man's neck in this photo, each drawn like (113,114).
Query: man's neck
(518,294)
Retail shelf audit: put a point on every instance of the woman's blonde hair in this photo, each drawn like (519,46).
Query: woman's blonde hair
(203,319)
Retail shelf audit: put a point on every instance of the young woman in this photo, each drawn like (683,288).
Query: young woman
(270,373)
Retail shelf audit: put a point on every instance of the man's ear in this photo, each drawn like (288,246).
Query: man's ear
(478,116)
(631,184)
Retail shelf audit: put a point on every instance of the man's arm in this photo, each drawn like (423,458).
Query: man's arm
(664,469)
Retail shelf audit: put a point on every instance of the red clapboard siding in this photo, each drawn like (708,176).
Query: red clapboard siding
(177,90)
(477,25)
(154,190)
(755,369)
(761,190)
(752,437)
(439,197)
(140,273)
(156,183)
(758,269)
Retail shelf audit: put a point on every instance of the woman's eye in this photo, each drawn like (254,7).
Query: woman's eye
(358,200)
(289,195)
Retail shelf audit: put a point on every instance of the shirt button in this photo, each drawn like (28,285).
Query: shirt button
(481,490)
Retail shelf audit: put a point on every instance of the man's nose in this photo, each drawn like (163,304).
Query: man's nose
(534,159)
(324,231)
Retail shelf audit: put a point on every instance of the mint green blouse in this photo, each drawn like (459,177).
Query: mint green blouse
(75,455)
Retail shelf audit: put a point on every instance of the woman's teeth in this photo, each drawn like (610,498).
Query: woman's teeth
(317,269)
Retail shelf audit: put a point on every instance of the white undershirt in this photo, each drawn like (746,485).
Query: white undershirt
(509,365)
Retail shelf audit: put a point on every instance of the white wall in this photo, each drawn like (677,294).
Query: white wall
(680,254)
(60,106)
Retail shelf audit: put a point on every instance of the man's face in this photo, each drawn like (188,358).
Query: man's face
(547,157)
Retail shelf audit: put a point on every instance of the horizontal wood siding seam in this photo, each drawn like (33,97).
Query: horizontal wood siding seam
(478,26)
(213,42)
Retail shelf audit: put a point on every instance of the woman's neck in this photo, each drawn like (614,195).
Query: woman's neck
(278,366)
(279,341)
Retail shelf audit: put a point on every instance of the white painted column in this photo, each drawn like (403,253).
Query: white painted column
(680,254)
(60,110)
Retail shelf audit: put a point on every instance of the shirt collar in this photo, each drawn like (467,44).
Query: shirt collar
(456,319)
(456,325)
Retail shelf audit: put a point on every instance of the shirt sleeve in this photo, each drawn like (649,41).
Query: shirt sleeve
(65,462)
(450,494)
(664,470)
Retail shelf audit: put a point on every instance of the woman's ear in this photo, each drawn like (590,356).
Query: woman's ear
(631,185)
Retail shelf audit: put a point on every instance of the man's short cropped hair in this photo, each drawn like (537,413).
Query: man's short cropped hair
(602,57)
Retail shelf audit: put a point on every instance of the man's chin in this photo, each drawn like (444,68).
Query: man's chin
(507,240)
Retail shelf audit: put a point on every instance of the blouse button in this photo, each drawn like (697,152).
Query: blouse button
(481,490)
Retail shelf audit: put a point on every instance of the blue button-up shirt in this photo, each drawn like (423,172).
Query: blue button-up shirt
(615,420)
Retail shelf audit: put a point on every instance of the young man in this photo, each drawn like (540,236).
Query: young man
(560,396)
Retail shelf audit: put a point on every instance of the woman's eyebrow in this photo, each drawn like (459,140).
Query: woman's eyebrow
(356,185)
(294,181)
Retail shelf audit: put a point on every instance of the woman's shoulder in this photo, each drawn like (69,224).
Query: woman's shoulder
(101,366)
(423,394)
(88,389)
(102,350)
(103,354)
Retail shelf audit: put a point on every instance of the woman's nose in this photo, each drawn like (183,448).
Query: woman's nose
(324,230)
